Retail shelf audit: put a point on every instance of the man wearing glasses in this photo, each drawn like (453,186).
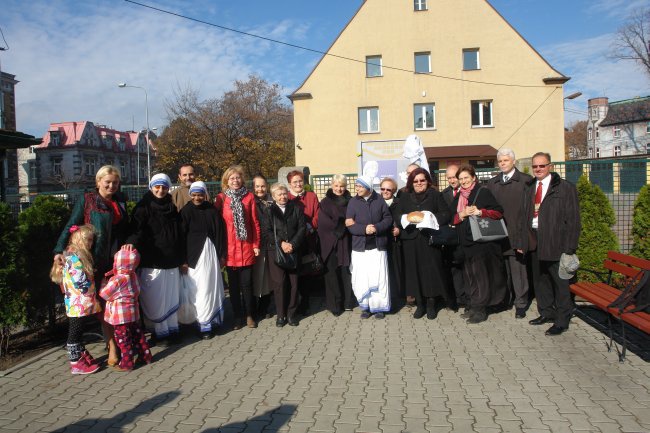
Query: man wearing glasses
(551,228)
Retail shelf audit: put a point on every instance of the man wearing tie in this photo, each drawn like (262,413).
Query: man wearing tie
(508,188)
(550,227)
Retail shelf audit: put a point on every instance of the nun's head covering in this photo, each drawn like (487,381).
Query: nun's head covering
(160,179)
(199,186)
(364,181)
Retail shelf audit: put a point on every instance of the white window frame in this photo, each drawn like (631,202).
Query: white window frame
(597,133)
(617,131)
(420,5)
(617,150)
(422,108)
(590,134)
(478,58)
(367,111)
(422,53)
(57,166)
(380,65)
(598,152)
(90,164)
(481,123)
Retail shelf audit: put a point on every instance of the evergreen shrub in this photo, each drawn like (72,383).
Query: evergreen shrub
(641,224)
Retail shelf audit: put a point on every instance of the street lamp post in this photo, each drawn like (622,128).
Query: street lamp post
(146,111)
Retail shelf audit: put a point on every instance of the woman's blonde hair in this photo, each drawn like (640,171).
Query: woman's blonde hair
(229,172)
(107,170)
(339,178)
(77,245)
(278,186)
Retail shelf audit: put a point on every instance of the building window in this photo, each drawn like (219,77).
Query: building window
(594,112)
(597,133)
(420,5)
(590,134)
(617,132)
(647,128)
(591,152)
(617,150)
(598,152)
(373,66)
(368,120)
(471,60)
(56,166)
(32,171)
(108,141)
(422,63)
(481,114)
(424,116)
(122,143)
(123,169)
(90,165)
(55,138)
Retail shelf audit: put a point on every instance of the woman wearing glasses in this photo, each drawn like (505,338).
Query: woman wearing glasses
(388,188)
(424,276)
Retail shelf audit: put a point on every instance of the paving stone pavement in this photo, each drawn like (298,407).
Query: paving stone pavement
(347,375)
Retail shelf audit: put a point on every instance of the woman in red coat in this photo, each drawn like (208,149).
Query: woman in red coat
(238,210)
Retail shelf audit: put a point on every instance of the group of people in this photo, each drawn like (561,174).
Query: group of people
(376,249)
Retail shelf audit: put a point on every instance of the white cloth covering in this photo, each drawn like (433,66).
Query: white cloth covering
(370,282)
(202,295)
(428,222)
(159,298)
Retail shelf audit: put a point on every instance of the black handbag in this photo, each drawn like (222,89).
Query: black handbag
(445,235)
(287,261)
(311,264)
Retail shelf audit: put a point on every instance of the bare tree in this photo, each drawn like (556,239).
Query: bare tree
(66,181)
(633,39)
(575,140)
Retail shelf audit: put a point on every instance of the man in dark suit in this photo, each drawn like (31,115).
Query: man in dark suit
(550,228)
(508,188)
(452,255)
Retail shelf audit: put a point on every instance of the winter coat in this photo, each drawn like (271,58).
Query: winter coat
(332,232)
(240,253)
(122,290)
(78,285)
(109,238)
(200,223)
(371,211)
(432,202)
(289,227)
(558,220)
(181,197)
(509,195)
(491,209)
(308,204)
(262,206)
(448,197)
(157,233)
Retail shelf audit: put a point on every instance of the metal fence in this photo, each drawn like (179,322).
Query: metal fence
(620,179)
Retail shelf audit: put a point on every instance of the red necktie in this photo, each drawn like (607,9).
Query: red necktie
(538,198)
(455,192)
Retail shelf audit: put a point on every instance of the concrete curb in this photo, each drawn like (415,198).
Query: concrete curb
(29,361)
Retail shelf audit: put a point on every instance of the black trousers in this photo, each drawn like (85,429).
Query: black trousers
(552,292)
(241,290)
(485,280)
(338,286)
(286,301)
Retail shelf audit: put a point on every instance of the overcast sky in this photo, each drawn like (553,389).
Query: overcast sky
(70,55)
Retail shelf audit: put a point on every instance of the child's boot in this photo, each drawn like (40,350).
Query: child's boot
(81,366)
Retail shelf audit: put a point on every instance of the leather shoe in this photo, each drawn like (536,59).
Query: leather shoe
(520,313)
(280,322)
(420,311)
(292,321)
(540,320)
(555,330)
(365,314)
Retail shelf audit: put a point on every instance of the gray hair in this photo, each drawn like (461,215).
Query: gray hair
(340,178)
(506,152)
(277,187)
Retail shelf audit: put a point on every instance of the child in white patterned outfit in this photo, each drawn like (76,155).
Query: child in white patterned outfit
(76,279)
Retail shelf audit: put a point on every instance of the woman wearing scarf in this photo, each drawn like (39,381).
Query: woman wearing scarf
(335,247)
(370,222)
(157,234)
(424,275)
(236,205)
(202,300)
(483,267)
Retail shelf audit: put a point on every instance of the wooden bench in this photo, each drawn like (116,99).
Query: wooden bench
(602,294)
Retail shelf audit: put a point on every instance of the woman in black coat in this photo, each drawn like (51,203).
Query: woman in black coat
(388,188)
(261,287)
(285,224)
(424,275)
(483,267)
(335,247)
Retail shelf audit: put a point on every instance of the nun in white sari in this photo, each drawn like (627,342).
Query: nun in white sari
(369,221)
(202,292)
(157,235)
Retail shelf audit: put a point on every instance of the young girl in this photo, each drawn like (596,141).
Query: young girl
(122,309)
(77,283)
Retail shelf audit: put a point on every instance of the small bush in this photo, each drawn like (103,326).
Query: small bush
(597,237)
(40,226)
(641,225)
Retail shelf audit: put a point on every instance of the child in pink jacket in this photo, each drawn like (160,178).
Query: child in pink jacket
(123,311)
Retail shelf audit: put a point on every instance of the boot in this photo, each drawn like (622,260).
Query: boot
(432,312)
(419,312)
(477,315)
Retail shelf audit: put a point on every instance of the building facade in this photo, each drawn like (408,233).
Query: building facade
(620,128)
(8,123)
(454,72)
(72,152)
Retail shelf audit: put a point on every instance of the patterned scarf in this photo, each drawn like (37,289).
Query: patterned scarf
(463,200)
(236,196)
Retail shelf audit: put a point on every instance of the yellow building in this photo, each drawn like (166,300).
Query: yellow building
(454,72)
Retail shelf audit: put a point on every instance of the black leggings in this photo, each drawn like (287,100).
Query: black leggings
(240,286)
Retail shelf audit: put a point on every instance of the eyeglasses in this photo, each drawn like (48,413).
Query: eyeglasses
(386,189)
(419,181)
(541,165)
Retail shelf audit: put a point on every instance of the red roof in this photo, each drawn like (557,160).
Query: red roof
(71,133)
